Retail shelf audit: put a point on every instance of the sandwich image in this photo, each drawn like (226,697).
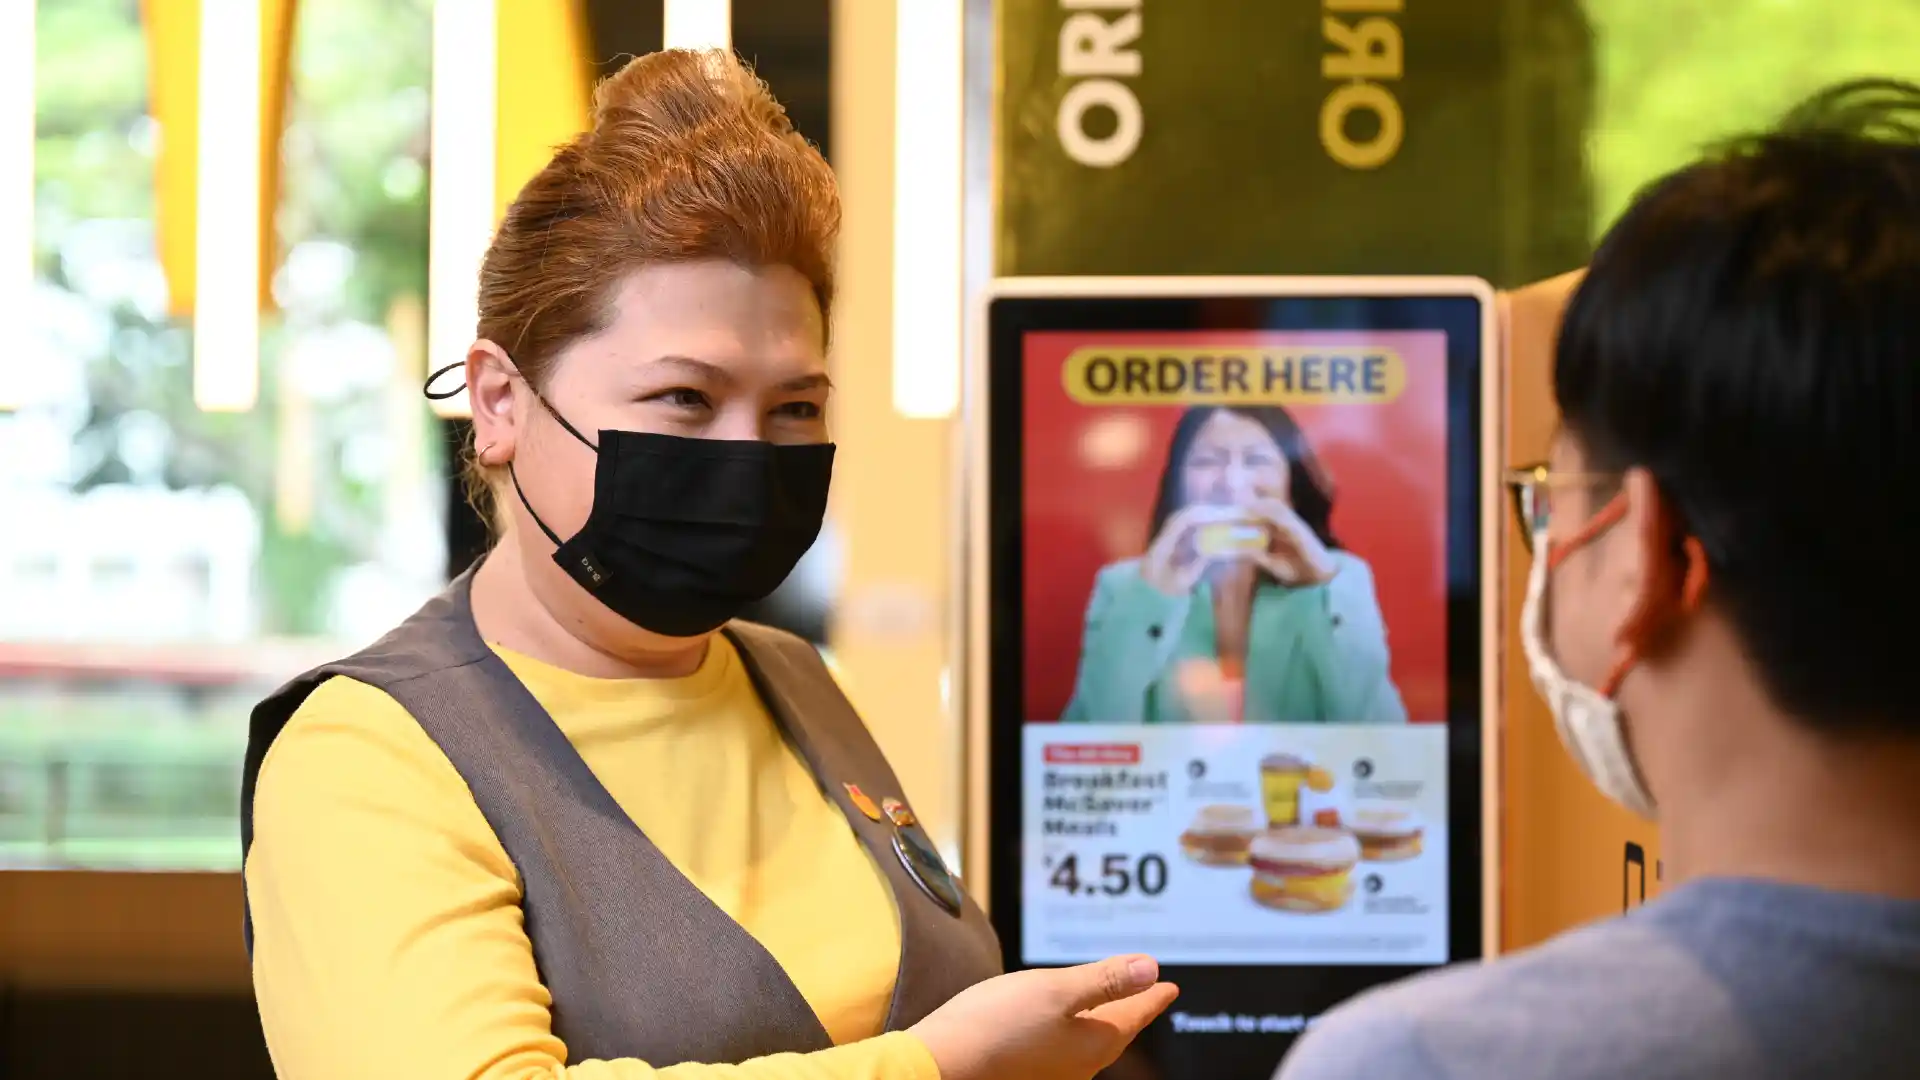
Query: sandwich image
(1224,539)
(1304,868)
(1220,835)
(1387,833)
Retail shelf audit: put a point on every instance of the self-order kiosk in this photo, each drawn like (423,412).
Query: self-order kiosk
(1233,640)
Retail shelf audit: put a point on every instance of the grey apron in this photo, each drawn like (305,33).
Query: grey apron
(639,962)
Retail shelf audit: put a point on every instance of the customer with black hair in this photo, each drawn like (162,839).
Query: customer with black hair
(1727,570)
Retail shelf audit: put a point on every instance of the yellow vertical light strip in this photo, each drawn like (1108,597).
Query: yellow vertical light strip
(410,482)
(16,186)
(460,193)
(173,62)
(295,461)
(545,89)
(698,24)
(892,503)
(277,21)
(173,80)
(929,168)
(226,303)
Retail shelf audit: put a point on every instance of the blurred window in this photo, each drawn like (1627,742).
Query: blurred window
(164,566)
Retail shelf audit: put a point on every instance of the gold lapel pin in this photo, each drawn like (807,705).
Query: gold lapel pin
(862,802)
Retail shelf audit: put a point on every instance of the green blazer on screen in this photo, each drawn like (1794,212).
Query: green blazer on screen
(1315,655)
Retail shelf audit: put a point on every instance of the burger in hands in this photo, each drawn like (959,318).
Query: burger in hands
(1238,537)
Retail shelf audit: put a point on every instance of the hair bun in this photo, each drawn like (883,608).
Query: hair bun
(677,91)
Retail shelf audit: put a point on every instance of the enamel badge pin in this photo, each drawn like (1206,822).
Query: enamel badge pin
(862,801)
(897,813)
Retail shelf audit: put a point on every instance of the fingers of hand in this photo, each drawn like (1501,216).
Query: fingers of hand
(1280,569)
(1112,979)
(1190,571)
(1284,529)
(1110,1027)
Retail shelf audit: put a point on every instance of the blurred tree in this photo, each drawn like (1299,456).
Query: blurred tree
(1680,74)
(354,184)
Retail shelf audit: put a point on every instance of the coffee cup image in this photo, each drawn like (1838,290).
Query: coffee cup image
(1220,835)
(1387,833)
(1304,868)
(1284,778)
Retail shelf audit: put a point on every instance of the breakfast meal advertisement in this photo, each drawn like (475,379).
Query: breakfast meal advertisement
(1235,647)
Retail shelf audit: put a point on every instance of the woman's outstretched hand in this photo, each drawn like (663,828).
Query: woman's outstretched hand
(1046,1024)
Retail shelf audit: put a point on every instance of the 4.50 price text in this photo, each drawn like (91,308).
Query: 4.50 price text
(1108,875)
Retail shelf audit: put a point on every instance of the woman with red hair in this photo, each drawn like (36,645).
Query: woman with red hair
(574,819)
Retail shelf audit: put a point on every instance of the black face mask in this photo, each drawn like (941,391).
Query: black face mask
(685,533)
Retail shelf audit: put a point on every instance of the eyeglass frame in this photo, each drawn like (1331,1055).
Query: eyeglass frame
(1525,483)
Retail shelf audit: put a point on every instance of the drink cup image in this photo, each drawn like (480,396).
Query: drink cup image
(1284,779)
(1281,778)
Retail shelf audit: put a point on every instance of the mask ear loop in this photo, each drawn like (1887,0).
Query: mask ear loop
(512,474)
(427,390)
(1678,588)
(571,430)
(561,420)
(1693,587)
(518,490)
(1607,517)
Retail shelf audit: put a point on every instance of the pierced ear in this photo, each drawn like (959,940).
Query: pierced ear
(490,391)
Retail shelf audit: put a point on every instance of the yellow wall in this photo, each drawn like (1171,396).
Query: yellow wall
(545,78)
(892,479)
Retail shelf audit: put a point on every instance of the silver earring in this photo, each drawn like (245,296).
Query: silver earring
(483,453)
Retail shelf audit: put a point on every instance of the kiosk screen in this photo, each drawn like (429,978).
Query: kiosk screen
(1237,641)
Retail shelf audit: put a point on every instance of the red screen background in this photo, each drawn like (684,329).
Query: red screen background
(1090,475)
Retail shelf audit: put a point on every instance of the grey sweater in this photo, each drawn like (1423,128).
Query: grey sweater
(1747,980)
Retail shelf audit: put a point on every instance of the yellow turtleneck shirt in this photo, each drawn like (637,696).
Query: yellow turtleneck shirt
(388,935)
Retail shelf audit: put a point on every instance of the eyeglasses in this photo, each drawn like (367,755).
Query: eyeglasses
(1532,487)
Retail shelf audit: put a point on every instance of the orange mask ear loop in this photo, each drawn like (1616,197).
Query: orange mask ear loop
(1693,588)
(1608,516)
(1668,598)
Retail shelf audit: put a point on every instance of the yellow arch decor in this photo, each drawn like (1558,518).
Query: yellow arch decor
(173,66)
(545,85)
